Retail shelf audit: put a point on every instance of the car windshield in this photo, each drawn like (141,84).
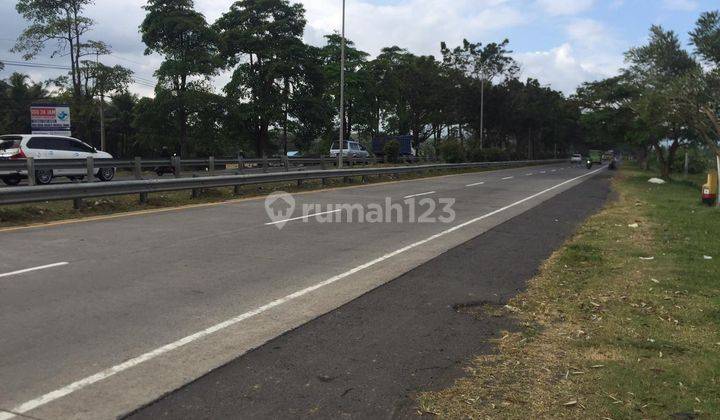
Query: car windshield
(8,142)
(335,145)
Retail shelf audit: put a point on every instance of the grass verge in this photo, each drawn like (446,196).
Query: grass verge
(622,322)
(46,212)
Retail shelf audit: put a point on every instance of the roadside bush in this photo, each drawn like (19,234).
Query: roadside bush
(451,151)
(698,161)
(392,151)
(488,154)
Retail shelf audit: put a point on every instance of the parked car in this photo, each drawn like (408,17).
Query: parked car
(43,146)
(576,158)
(350,149)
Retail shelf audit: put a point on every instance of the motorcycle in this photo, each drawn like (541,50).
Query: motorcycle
(588,163)
(162,170)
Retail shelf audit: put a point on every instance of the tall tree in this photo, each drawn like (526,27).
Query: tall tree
(99,81)
(63,24)
(175,30)
(706,39)
(355,81)
(16,96)
(483,64)
(261,40)
(658,69)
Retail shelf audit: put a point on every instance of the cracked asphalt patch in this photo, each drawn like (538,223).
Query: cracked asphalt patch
(369,357)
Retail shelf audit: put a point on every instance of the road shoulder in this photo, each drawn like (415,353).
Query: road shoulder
(370,356)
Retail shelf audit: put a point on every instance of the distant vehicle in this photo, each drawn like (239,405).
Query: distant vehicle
(405,141)
(294,154)
(594,156)
(576,158)
(350,149)
(44,146)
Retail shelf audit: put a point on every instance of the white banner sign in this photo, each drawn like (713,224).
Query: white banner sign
(50,119)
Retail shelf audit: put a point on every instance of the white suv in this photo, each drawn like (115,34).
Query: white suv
(350,148)
(44,146)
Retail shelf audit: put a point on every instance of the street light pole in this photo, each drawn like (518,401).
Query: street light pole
(342,90)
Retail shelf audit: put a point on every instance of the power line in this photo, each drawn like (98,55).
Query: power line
(47,66)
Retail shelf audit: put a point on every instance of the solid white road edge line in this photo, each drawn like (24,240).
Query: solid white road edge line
(82,383)
(418,195)
(307,216)
(508,177)
(27,270)
(475,184)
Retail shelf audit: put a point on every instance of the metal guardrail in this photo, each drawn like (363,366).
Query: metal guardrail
(80,191)
(176,166)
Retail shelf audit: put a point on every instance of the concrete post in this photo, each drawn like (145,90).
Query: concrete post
(195,191)
(90,169)
(31,171)
(211,165)
(241,165)
(137,168)
(177,166)
(265,164)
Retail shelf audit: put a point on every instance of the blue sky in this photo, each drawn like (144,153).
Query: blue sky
(560,42)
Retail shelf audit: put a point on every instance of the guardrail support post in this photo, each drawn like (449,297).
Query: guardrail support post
(31,171)
(177,166)
(137,168)
(300,183)
(236,189)
(90,169)
(143,198)
(286,163)
(241,165)
(322,162)
(211,165)
(77,203)
(265,163)
(196,191)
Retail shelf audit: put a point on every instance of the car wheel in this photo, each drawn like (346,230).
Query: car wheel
(43,176)
(106,174)
(11,180)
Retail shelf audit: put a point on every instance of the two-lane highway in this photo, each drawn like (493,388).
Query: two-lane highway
(99,317)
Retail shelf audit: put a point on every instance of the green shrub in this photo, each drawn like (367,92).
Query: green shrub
(698,162)
(488,154)
(392,151)
(451,151)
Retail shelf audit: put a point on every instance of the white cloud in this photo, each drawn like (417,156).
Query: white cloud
(591,52)
(681,5)
(419,25)
(565,7)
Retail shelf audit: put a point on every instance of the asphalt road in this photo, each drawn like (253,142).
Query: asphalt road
(102,316)
(368,358)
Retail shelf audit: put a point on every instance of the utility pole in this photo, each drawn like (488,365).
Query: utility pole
(342,90)
(102,103)
(482,106)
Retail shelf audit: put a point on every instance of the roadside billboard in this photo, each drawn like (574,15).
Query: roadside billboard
(50,119)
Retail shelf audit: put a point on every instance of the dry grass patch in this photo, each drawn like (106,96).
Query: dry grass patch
(622,322)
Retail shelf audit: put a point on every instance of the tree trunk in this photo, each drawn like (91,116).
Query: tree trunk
(262,138)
